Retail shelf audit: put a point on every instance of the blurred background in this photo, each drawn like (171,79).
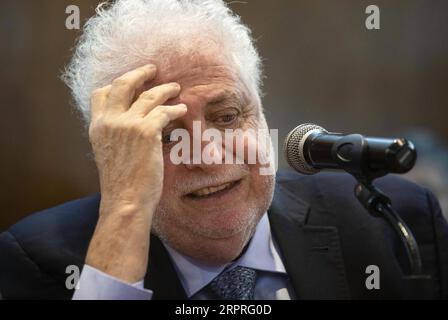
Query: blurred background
(321,63)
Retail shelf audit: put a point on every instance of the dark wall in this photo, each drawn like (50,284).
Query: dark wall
(321,63)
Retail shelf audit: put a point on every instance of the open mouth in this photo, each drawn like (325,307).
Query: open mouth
(213,191)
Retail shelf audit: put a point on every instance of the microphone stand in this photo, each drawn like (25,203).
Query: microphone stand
(350,152)
(379,205)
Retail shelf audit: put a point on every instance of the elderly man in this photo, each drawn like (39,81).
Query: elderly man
(194,230)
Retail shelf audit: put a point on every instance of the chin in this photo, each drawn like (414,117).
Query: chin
(212,251)
(226,224)
(211,241)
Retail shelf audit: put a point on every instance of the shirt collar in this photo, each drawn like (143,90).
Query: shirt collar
(261,255)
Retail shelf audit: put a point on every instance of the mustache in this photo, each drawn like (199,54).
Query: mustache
(200,180)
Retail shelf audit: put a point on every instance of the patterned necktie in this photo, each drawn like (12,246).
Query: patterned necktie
(235,284)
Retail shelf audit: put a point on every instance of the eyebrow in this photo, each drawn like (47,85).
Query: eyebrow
(233,96)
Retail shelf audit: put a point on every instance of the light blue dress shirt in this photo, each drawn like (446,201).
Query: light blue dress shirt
(262,255)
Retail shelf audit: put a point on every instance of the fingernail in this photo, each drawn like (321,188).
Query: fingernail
(150,66)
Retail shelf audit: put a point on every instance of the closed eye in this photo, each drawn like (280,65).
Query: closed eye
(166,136)
(226,119)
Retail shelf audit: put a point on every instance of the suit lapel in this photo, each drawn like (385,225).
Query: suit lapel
(311,254)
(161,276)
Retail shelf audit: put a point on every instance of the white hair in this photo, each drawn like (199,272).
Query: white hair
(126,34)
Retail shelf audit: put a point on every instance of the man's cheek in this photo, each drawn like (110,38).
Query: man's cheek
(261,150)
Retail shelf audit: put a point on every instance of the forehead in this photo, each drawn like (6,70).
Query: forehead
(208,76)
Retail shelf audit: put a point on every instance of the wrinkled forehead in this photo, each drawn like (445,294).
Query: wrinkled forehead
(199,68)
(206,72)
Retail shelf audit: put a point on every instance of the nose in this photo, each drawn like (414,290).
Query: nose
(207,149)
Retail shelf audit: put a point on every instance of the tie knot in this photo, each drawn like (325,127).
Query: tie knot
(235,284)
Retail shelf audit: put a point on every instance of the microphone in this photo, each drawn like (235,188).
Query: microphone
(310,148)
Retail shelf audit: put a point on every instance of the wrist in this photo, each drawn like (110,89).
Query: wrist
(120,244)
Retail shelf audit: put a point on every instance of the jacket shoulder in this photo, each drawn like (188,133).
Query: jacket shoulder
(335,191)
(37,250)
(68,226)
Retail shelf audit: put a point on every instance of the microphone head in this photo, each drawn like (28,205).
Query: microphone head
(294,144)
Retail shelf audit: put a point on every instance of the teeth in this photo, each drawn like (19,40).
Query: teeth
(210,190)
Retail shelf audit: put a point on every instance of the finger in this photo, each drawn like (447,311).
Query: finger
(123,88)
(98,102)
(161,116)
(154,97)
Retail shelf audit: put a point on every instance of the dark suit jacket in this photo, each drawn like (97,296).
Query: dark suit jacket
(324,235)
